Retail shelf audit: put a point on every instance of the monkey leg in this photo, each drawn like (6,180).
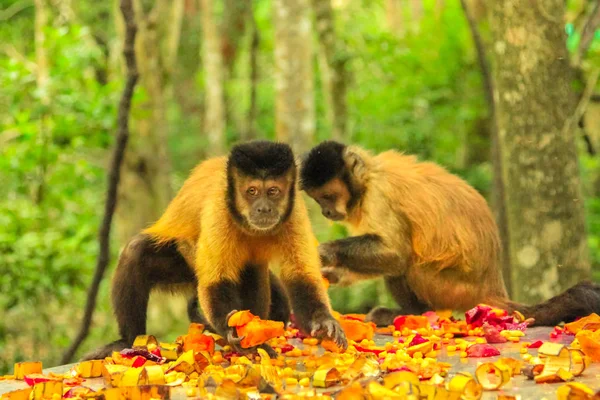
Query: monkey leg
(194,314)
(280,304)
(404,296)
(279,309)
(143,265)
(253,292)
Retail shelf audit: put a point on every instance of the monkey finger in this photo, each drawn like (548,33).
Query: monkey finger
(233,339)
(229,315)
(332,274)
(336,333)
(270,351)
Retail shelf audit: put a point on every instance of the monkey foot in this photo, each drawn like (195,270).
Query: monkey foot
(382,316)
(328,327)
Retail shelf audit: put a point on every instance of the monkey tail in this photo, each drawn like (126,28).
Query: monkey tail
(578,301)
(106,351)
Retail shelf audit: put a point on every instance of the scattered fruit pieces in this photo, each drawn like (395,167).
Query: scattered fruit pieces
(404,367)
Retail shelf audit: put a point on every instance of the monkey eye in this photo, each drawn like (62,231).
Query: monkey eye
(273,191)
(328,197)
(252,191)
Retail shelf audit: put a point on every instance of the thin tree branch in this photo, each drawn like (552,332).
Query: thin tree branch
(484,66)
(14,9)
(584,101)
(250,131)
(113,176)
(587,33)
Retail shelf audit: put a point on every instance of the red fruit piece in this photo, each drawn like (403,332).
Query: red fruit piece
(492,334)
(365,350)
(482,350)
(418,339)
(286,347)
(536,345)
(32,379)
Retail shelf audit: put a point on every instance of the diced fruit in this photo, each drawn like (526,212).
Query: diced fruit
(27,368)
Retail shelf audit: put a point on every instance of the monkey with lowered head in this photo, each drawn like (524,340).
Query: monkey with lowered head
(233,217)
(426,231)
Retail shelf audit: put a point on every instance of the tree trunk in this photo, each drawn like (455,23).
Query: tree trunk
(333,70)
(294,106)
(146,188)
(486,129)
(394,14)
(534,107)
(214,115)
(439,8)
(416,14)
(249,131)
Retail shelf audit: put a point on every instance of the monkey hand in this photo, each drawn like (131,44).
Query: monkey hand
(328,254)
(332,274)
(329,327)
(236,342)
(337,276)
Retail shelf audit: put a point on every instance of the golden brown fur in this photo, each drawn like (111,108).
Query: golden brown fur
(447,223)
(426,231)
(231,220)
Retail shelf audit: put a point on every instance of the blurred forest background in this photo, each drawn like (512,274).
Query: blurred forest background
(503,93)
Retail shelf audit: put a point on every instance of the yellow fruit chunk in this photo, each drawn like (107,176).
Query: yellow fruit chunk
(26,368)
(135,377)
(90,369)
(46,390)
(170,351)
(147,342)
(113,373)
(326,376)
(156,375)
(22,394)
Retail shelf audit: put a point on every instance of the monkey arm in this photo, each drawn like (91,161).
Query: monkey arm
(365,254)
(218,277)
(302,278)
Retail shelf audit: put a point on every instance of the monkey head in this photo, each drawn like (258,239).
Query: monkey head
(261,182)
(333,174)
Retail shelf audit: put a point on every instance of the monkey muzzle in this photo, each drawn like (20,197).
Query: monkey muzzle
(333,215)
(264,215)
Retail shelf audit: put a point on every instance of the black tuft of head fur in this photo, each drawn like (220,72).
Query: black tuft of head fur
(261,159)
(323,163)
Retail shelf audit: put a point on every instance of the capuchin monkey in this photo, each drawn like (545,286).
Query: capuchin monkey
(427,232)
(232,218)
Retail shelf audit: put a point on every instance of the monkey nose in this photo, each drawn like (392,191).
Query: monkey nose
(264,210)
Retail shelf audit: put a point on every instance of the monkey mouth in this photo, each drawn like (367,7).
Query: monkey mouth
(335,216)
(264,224)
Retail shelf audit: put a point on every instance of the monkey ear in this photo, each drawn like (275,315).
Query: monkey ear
(356,165)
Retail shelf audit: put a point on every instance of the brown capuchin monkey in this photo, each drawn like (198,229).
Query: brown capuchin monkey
(426,231)
(232,218)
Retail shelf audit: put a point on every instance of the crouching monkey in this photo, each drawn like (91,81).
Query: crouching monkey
(427,232)
(233,217)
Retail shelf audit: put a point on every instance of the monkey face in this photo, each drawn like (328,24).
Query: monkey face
(333,198)
(263,202)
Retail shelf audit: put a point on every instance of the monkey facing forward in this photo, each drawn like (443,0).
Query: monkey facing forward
(426,231)
(232,218)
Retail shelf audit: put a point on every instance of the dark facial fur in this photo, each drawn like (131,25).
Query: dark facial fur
(323,164)
(260,162)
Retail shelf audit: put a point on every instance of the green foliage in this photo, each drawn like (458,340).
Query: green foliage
(51,197)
